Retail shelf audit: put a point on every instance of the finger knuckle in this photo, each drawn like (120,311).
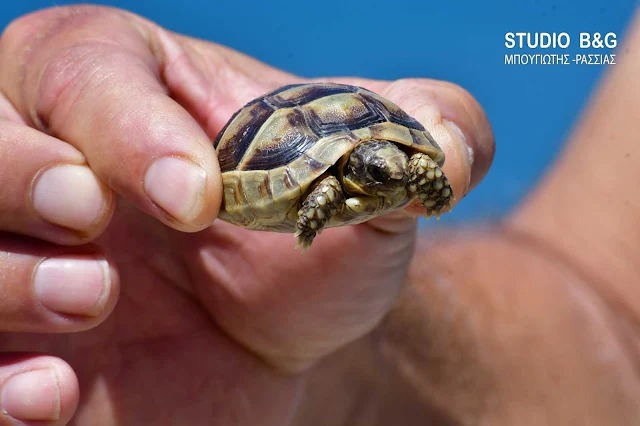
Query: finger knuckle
(66,49)
(37,27)
(53,48)
(61,81)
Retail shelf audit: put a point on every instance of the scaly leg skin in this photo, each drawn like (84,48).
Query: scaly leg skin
(427,181)
(322,203)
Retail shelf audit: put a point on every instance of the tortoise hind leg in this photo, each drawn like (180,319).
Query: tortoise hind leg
(322,203)
(427,181)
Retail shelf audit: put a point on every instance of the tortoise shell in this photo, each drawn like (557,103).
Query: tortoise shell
(274,148)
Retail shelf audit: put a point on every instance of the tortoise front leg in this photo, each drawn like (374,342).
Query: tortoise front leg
(427,181)
(322,203)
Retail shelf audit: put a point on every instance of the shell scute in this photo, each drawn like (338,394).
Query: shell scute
(394,113)
(334,147)
(342,112)
(283,187)
(234,196)
(428,145)
(282,138)
(234,140)
(301,94)
(304,169)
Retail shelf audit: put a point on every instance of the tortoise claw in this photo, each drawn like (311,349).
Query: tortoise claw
(304,240)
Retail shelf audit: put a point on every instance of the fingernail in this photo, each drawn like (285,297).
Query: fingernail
(32,396)
(69,196)
(464,150)
(73,286)
(177,186)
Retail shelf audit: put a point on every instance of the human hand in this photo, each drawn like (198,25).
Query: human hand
(109,185)
(533,320)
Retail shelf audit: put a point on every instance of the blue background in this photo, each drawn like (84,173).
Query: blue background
(463,41)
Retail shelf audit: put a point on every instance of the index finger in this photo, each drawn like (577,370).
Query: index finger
(88,76)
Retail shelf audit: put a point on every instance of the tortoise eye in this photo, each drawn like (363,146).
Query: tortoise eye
(376,173)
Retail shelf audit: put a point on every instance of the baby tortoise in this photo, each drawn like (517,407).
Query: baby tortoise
(312,156)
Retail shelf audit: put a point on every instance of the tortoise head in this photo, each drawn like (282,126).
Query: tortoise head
(376,168)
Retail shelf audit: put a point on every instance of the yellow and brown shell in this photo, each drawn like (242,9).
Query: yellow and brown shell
(276,146)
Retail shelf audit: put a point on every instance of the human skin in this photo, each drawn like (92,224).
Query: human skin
(533,320)
(214,324)
(230,327)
